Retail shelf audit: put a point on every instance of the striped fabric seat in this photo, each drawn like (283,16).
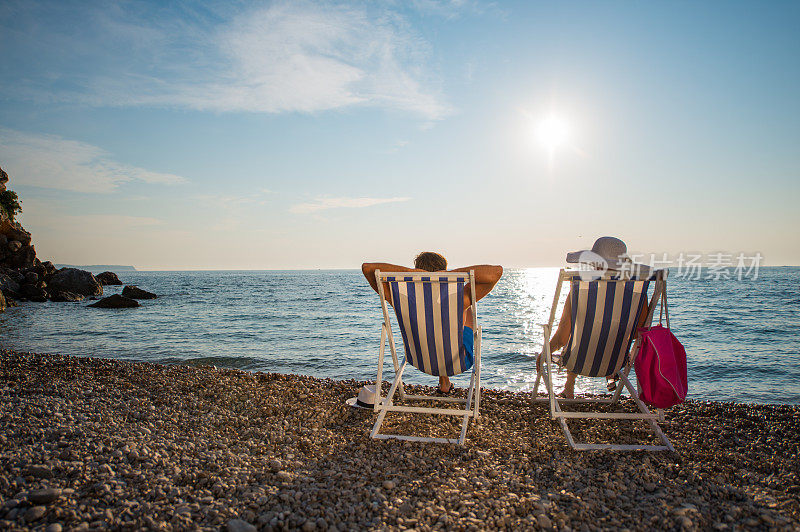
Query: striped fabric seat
(604,317)
(430,315)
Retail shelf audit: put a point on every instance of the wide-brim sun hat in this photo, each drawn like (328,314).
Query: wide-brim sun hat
(365,398)
(607,253)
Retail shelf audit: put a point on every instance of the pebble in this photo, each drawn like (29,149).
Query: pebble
(40,471)
(44,496)
(35,513)
(543,520)
(147,446)
(238,525)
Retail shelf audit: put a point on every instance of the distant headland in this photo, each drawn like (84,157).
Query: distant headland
(100,267)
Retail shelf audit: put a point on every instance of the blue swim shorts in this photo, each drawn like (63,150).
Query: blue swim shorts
(469,348)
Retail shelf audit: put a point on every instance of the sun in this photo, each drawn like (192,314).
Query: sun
(552,132)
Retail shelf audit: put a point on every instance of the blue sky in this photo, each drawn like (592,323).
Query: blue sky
(321,134)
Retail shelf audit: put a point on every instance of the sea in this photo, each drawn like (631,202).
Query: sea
(742,336)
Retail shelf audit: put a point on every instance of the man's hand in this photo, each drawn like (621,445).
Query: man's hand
(368,269)
(486,276)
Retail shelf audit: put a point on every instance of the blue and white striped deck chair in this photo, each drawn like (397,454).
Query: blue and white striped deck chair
(429,308)
(606,308)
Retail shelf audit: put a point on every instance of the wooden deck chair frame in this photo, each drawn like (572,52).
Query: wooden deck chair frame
(383,405)
(557,413)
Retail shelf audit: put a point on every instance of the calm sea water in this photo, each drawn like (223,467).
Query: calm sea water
(742,337)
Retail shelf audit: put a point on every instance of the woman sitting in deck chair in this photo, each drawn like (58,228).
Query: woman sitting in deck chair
(605,307)
(607,253)
(486,277)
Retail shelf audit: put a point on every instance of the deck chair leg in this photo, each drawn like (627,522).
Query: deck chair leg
(565,427)
(567,433)
(618,391)
(643,408)
(470,391)
(539,367)
(383,407)
(463,434)
(379,379)
(473,394)
(478,370)
(550,388)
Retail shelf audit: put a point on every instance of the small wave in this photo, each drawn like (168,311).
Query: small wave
(723,372)
(718,320)
(771,330)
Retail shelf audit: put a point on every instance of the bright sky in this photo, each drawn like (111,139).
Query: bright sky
(260,135)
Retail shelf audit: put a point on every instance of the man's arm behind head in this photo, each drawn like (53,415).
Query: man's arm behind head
(486,276)
(369,268)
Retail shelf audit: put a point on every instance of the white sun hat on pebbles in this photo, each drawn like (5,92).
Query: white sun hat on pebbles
(365,399)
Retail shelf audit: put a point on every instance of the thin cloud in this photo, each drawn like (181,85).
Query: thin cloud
(113,222)
(321,204)
(284,57)
(449,8)
(47,215)
(49,161)
(235,202)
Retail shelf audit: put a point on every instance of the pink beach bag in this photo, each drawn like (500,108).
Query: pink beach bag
(661,365)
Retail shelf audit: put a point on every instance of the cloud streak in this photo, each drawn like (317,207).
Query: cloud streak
(321,204)
(49,161)
(283,57)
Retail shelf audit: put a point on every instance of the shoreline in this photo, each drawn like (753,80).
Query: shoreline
(93,443)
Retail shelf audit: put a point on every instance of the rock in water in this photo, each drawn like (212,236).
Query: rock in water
(135,292)
(66,296)
(76,281)
(9,286)
(108,278)
(34,293)
(49,268)
(116,301)
(2,301)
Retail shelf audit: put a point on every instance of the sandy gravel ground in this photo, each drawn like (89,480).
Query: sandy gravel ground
(99,444)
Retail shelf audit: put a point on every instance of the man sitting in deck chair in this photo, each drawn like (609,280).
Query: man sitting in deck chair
(485,278)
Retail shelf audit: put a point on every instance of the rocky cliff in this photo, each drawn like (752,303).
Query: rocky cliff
(16,250)
(22,275)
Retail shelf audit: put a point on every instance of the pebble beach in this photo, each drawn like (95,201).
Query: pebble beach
(97,444)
